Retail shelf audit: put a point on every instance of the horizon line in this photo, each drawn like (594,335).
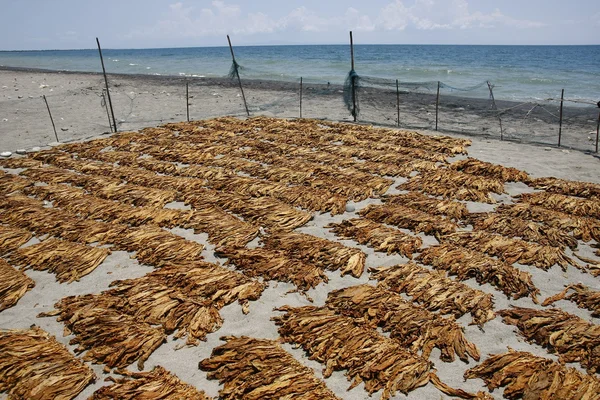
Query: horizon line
(298,44)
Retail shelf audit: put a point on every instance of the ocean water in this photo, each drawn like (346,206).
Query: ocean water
(523,73)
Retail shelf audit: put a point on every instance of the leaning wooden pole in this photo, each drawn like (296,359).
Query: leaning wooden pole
(106,83)
(560,117)
(398,102)
(237,73)
(437,106)
(300,97)
(105,104)
(51,119)
(353,78)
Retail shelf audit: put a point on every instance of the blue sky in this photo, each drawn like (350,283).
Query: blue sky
(73,24)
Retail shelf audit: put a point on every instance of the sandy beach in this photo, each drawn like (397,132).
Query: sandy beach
(142,101)
(149,100)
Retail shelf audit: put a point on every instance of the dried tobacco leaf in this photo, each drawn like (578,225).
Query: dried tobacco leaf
(35,366)
(13,285)
(251,368)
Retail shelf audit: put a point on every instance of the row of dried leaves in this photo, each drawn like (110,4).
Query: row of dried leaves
(274,265)
(510,250)
(323,253)
(570,188)
(567,204)
(582,295)
(412,325)
(153,246)
(436,292)
(12,238)
(158,384)
(494,171)
(582,228)
(409,218)
(251,368)
(444,184)
(107,188)
(13,285)
(570,337)
(526,376)
(263,211)
(517,227)
(466,264)
(431,205)
(221,226)
(67,260)
(341,344)
(35,366)
(376,235)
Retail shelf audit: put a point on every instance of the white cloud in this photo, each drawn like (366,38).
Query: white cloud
(219,18)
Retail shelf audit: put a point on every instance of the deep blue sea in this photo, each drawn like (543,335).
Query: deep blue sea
(517,72)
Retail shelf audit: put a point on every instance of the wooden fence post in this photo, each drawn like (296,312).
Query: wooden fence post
(562,98)
(187,101)
(300,97)
(398,102)
(437,106)
(353,78)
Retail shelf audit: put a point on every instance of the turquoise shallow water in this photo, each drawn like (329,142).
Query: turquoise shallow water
(518,72)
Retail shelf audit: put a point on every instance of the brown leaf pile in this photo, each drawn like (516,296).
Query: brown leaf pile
(526,229)
(210,281)
(110,336)
(151,301)
(158,384)
(567,335)
(494,171)
(108,188)
(341,344)
(251,368)
(67,260)
(10,183)
(510,250)
(274,265)
(13,285)
(431,205)
(411,325)
(436,292)
(265,211)
(35,366)
(158,247)
(526,376)
(582,295)
(323,253)
(21,162)
(409,218)
(466,264)
(583,228)
(570,188)
(12,238)
(376,235)
(220,226)
(446,188)
(300,196)
(567,204)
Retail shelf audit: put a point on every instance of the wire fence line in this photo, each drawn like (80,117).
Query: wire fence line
(141,101)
